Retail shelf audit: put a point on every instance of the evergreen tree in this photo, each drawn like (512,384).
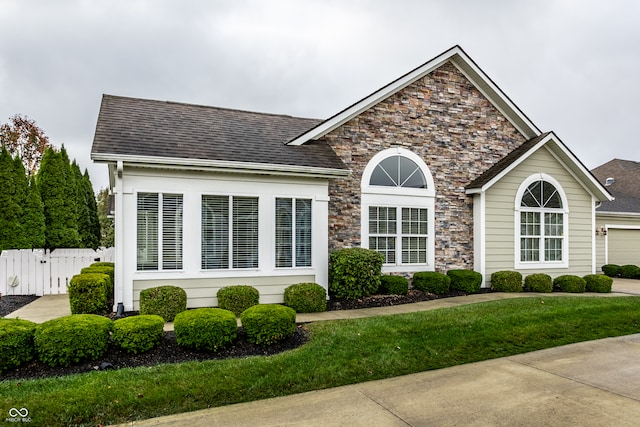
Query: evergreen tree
(9,207)
(33,217)
(21,183)
(107,232)
(57,189)
(88,223)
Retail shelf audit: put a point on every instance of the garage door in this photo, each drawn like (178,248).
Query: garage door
(624,246)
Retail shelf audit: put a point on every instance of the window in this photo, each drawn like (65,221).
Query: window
(293,232)
(229,232)
(541,219)
(410,228)
(397,209)
(159,231)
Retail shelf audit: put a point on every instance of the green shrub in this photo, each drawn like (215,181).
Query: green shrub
(103,264)
(88,293)
(164,301)
(237,298)
(506,281)
(611,270)
(16,343)
(267,324)
(205,328)
(306,298)
(468,281)
(393,285)
(570,283)
(539,282)
(137,334)
(598,283)
(431,282)
(354,272)
(630,271)
(71,339)
(103,269)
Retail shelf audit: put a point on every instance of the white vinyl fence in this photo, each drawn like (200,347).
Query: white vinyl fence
(40,272)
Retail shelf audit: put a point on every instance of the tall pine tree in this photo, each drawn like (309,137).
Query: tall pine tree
(10,210)
(33,217)
(57,188)
(93,239)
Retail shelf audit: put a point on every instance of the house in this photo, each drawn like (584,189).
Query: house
(618,221)
(437,170)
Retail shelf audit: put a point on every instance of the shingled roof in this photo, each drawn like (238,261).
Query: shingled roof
(625,187)
(132,127)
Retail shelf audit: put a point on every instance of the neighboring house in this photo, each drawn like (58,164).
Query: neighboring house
(618,221)
(437,170)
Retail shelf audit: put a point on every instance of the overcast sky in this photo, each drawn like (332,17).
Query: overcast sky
(572,66)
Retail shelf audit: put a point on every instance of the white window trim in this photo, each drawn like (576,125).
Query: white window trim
(532,265)
(372,195)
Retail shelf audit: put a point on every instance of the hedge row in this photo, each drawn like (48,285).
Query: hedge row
(511,281)
(86,337)
(628,271)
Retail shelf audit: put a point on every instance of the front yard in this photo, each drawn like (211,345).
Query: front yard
(338,353)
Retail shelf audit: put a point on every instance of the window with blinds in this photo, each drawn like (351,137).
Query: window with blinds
(159,231)
(399,233)
(293,232)
(229,232)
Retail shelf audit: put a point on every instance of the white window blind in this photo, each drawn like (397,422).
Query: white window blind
(229,232)
(541,223)
(159,231)
(409,230)
(293,232)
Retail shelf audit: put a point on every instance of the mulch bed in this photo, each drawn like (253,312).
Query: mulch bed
(170,352)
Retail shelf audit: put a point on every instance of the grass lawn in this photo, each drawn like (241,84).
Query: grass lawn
(339,353)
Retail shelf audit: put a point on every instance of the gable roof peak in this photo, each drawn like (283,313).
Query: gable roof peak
(459,58)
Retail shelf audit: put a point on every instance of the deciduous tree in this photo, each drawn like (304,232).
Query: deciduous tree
(22,137)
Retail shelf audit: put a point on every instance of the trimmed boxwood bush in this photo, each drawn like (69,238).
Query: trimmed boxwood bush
(164,301)
(506,281)
(205,328)
(104,269)
(16,342)
(267,324)
(137,334)
(71,339)
(468,281)
(306,298)
(630,271)
(539,282)
(431,282)
(103,264)
(237,298)
(611,270)
(598,283)
(88,293)
(354,272)
(393,285)
(570,283)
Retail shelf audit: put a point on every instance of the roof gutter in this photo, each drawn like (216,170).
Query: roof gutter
(219,166)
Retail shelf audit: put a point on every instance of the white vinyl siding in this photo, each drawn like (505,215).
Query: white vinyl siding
(159,231)
(229,232)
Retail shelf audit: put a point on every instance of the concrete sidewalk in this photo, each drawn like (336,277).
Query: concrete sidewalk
(593,383)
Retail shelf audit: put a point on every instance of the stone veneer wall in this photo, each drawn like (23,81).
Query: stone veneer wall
(458,133)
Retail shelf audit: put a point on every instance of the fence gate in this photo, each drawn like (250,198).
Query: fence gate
(40,272)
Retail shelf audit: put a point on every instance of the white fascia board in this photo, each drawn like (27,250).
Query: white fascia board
(621,214)
(508,169)
(463,63)
(576,166)
(219,166)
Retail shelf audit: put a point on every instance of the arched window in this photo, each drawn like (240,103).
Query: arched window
(397,210)
(541,222)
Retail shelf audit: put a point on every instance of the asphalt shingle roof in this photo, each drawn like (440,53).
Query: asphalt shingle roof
(141,127)
(625,187)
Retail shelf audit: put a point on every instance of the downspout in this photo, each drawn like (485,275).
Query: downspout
(119,239)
